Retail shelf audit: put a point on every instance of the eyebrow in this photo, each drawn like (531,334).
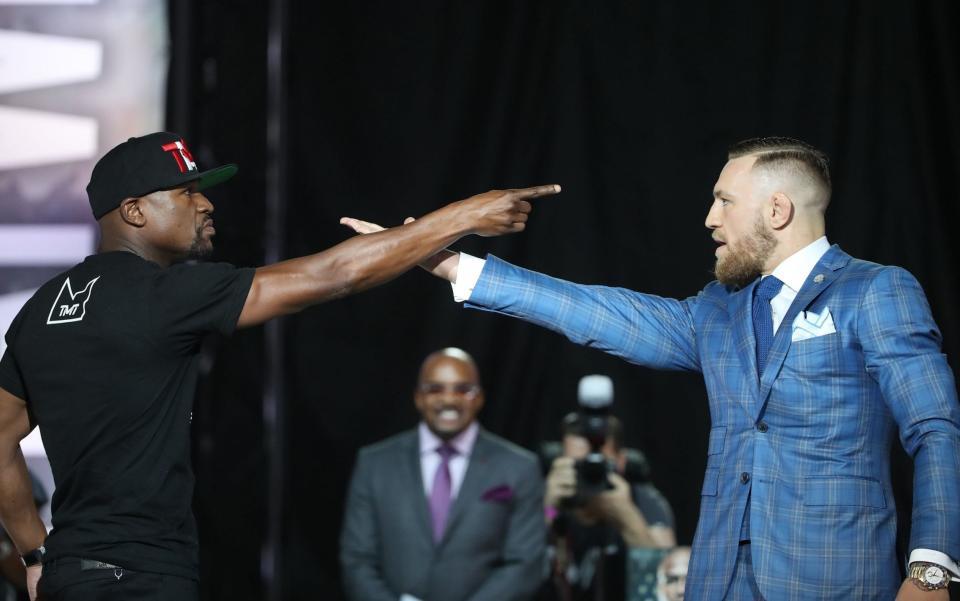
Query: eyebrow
(717,193)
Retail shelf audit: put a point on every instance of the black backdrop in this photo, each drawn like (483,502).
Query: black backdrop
(396,108)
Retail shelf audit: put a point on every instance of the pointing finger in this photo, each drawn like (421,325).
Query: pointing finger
(537,191)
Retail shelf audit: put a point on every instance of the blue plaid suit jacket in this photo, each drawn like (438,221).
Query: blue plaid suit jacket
(814,435)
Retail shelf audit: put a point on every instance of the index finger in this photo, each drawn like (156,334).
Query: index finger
(537,191)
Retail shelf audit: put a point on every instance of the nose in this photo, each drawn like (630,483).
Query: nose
(203,204)
(713,216)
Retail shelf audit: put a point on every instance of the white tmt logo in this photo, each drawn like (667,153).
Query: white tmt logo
(70,306)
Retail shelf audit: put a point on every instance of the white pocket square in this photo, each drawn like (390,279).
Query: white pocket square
(810,325)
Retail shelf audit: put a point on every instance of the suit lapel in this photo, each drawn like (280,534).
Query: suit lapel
(822,276)
(478,472)
(415,475)
(740,309)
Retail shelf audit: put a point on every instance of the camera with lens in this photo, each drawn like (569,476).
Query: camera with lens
(595,395)
(594,423)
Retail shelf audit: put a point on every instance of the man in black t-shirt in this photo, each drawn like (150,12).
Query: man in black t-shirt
(104,359)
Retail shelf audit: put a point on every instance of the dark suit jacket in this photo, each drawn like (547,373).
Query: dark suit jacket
(494,542)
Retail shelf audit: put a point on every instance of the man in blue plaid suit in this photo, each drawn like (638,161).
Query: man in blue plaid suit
(812,361)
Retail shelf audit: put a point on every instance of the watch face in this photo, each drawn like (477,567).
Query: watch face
(933,575)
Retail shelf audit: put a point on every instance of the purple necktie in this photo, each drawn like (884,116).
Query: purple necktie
(440,493)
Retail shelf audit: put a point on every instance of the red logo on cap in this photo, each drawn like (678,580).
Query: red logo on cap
(182,154)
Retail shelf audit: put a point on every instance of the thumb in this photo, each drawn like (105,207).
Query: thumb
(360,226)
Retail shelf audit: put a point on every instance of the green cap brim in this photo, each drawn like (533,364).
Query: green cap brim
(216,176)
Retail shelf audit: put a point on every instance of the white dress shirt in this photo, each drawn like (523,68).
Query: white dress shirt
(792,271)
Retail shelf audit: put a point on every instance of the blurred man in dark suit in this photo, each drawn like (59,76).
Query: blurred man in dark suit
(446,511)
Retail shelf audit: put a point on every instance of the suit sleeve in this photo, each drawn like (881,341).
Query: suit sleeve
(901,346)
(360,541)
(522,569)
(641,328)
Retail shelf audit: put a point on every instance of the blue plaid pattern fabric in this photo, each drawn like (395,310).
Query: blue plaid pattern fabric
(768,288)
(743,585)
(809,441)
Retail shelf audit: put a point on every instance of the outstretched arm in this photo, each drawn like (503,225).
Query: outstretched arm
(443,264)
(652,331)
(17,511)
(363,262)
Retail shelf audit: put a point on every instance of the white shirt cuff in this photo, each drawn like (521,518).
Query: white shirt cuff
(406,597)
(468,272)
(931,556)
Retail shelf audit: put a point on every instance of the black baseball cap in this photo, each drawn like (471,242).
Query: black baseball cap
(146,164)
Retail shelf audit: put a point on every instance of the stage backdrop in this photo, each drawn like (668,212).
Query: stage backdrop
(76,78)
(395,109)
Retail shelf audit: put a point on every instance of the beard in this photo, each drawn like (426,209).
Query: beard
(744,260)
(201,248)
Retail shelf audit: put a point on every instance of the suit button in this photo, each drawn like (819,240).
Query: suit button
(745,477)
(762,427)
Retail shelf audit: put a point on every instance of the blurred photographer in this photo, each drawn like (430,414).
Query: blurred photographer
(599,502)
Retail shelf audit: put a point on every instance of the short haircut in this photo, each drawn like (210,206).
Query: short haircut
(789,155)
(572,425)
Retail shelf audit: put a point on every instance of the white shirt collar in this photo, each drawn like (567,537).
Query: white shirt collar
(462,442)
(793,270)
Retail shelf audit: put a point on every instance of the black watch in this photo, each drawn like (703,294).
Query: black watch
(35,557)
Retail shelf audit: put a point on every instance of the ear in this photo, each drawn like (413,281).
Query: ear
(419,401)
(781,210)
(130,212)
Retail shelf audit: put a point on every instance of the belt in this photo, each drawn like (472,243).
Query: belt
(93,564)
(85,565)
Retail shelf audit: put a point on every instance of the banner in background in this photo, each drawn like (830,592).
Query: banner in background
(76,78)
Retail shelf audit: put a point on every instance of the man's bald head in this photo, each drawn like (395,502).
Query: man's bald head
(448,354)
(791,166)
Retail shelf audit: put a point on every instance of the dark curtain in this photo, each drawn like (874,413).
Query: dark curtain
(397,108)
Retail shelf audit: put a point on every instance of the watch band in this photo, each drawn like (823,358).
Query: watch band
(35,557)
(929,576)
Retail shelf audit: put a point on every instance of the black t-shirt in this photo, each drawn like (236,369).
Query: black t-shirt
(105,356)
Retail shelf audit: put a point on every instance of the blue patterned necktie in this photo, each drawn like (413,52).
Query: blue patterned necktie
(768,288)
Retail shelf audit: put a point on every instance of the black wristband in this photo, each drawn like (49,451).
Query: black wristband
(35,557)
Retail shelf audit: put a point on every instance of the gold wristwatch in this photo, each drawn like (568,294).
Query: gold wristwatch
(929,576)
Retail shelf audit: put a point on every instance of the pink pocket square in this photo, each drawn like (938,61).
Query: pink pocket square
(499,494)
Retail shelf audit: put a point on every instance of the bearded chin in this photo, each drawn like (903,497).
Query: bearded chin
(200,249)
(744,261)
